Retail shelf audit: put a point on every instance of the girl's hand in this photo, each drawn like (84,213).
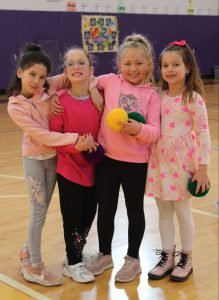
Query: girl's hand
(94,148)
(131,127)
(55,107)
(203,181)
(85,142)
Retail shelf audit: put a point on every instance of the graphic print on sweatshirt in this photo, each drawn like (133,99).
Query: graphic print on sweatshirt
(129,102)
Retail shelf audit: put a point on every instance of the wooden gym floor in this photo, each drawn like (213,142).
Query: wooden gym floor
(14,216)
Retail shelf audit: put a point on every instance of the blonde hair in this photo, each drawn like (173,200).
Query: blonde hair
(141,42)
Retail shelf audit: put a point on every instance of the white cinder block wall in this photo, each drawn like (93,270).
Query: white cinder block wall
(200,7)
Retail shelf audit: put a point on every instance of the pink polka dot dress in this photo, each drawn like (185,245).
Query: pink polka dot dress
(183,145)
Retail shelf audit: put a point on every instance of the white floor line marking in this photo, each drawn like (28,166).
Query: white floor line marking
(10,176)
(197,211)
(20,196)
(214,147)
(12,196)
(200,212)
(120,195)
(22,288)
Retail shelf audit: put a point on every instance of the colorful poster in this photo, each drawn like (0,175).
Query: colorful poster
(99,33)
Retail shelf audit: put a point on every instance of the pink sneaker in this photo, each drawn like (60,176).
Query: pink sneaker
(38,274)
(184,268)
(99,264)
(165,266)
(129,270)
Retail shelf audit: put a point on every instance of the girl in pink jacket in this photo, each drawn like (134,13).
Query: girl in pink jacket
(29,108)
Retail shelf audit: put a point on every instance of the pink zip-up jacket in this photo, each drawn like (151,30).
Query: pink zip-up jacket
(32,116)
(143,99)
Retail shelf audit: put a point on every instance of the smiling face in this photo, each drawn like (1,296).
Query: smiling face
(173,69)
(77,66)
(133,65)
(32,79)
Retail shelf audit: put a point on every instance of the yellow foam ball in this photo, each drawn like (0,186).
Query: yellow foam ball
(114,117)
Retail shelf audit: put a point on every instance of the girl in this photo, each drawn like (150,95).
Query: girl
(181,152)
(29,108)
(126,152)
(75,174)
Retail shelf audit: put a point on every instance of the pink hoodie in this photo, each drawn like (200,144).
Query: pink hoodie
(32,115)
(141,98)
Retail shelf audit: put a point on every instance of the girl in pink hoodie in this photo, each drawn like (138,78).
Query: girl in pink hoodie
(29,108)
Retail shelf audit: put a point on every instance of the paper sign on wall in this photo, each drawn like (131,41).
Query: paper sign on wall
(99,33)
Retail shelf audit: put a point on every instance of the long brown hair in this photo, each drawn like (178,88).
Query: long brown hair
(193,81)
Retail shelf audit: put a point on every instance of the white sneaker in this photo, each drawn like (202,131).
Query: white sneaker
(78,273)
(38,274)
(86,257)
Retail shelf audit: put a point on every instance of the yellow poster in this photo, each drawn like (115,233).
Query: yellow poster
(99,33)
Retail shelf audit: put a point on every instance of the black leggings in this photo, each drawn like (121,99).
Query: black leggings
(78,207)
(132,177)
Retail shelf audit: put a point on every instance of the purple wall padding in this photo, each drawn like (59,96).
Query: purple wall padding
(57,31)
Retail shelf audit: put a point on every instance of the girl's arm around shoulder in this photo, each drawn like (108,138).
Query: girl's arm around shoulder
(150,131)
(57,83)
(105,80)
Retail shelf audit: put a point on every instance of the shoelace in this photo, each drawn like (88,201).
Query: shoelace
(183,259)
(126,264)
(163,257)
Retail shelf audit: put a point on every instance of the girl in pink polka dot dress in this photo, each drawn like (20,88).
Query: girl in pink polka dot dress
(181,152)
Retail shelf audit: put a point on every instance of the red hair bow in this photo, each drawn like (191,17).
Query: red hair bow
(178,43)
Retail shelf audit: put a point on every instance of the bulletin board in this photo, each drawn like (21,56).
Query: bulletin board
(99,33)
